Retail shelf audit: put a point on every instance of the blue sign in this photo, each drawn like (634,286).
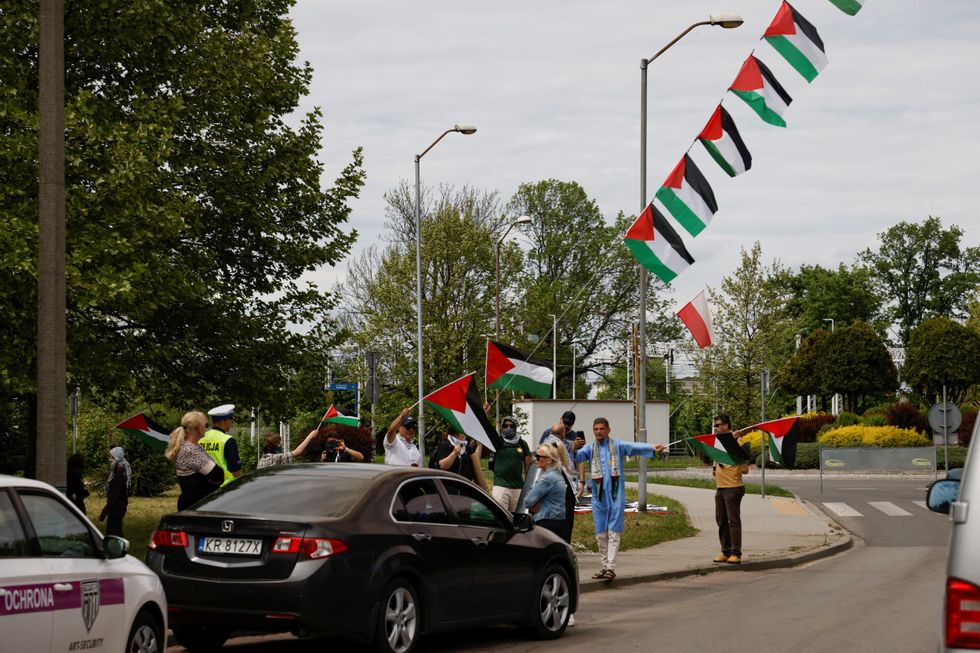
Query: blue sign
(343,386)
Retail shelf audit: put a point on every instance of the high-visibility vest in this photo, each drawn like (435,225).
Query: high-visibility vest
(214,444)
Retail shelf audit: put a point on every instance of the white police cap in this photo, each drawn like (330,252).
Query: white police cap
(225,411)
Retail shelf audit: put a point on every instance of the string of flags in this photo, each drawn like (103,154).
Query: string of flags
(686,194)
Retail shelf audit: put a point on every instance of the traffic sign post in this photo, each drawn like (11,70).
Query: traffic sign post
(943,418)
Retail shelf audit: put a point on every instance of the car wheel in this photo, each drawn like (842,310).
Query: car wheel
(146,636)
(552,604)
(200,638)
(400,620)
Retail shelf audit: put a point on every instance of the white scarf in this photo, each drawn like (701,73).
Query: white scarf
(596,468)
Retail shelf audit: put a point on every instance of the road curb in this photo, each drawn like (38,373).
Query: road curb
(846,543)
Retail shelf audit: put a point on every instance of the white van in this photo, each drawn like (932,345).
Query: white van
(954,496)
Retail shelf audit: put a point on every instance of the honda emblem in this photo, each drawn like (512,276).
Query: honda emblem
(227,526)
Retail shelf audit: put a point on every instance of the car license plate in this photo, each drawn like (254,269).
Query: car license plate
(231,546)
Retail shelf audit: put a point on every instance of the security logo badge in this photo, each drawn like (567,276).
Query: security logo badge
(90,603)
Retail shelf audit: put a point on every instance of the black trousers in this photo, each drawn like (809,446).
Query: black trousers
(113,525)
(728,516)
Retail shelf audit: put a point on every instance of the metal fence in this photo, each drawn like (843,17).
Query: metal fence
(896,459)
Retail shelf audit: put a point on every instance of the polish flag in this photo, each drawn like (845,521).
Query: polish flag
(697,318)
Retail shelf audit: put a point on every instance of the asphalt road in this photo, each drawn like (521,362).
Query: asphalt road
(883,595)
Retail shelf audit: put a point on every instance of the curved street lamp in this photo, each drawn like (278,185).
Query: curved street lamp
(727,21)
(462,128)
(524,219)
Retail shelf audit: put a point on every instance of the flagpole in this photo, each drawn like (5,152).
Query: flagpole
(727,21)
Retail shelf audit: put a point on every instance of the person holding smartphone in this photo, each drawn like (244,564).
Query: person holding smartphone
(457,454)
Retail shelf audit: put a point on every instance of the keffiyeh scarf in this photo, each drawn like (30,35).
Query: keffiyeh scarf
(596,468)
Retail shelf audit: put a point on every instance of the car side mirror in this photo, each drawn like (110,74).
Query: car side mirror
(941,494)
(115,547)
(523,522)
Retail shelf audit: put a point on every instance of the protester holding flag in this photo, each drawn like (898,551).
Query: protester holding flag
(399,448)
(605,458)
(272,453)
(729,490)
(455,454)
(197,475)
(509,464)
(116,492)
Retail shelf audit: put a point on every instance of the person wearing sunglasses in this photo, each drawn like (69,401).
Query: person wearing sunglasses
(509,464)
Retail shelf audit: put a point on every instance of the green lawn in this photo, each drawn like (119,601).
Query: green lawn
(642,530)
(707,483)
(142,517)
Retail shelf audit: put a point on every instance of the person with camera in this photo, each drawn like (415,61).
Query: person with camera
(336,451)
(272,453)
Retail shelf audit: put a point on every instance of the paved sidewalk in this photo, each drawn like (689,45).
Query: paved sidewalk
(776,532)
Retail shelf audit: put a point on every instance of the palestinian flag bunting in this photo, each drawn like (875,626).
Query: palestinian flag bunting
(657,246)
(688,196)
(510,369)
(334,416)
(849,7)
(460,404)
(758,87)
(697,318)
(723,142)
(147,431)
(784,434)
(794,37)
(720,447)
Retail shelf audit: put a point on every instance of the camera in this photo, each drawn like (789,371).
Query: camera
(331,445)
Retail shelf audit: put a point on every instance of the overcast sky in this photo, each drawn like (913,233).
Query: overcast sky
(887,132)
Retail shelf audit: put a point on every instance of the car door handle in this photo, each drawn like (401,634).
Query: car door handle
(480,541)
(422,537)
(62,587)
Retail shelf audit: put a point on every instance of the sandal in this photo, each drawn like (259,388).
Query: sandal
(600,575)
(610,574)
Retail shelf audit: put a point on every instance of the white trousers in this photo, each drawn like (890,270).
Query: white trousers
(506,497)
(608,548)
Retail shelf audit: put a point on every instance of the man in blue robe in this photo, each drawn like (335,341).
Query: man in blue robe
(605,457)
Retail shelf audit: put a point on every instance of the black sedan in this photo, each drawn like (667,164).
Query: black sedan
(375,552)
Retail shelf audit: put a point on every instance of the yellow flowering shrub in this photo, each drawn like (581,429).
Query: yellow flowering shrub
(872,436)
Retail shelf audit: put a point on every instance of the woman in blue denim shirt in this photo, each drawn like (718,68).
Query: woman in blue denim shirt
(547,498)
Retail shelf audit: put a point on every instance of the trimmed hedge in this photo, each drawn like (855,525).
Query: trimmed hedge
(807,457)
(872,436)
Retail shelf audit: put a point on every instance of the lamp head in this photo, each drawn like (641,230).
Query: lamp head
(464,128)
(524,219)
(728,21)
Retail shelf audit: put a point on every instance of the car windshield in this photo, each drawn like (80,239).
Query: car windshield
(290,494)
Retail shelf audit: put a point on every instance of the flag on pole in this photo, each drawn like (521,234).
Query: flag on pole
(460,404)
(724,144)
(785,433)
(758,87)
(794,37)
(849,7)
(147,431)
(510,369)
(696,316)
(334,416)
(657,246)
(720,447)
(688,196)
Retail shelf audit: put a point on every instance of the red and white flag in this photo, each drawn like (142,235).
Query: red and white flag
(697,318)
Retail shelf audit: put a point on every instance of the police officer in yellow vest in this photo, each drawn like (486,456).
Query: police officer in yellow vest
(223,448)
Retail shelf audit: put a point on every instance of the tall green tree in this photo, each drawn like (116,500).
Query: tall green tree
(942,352)
(193,207)
(845,295)
(924,272)
(854,362)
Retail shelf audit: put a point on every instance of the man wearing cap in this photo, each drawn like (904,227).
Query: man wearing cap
(562,433)
(221,447)
(399,448)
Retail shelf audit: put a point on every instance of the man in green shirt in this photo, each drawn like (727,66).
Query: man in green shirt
(509,465)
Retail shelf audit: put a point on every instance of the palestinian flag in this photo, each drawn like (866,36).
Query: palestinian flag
(460,404)
(334,416)
(696,316)
(849,7)
(720,447)
(797,40)
(758,87)
(688,197)
(785,433)
(510,369)
(147,431)
(657,246)
(721,139)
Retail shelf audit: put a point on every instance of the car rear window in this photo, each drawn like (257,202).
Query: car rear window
(292,494)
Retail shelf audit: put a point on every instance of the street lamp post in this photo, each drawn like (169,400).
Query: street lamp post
(524,219)
(834,408)
(554,356)
(728,21)
(462,129)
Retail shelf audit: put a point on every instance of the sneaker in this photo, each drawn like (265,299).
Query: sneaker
(734,560)
(571,620)
(721,558)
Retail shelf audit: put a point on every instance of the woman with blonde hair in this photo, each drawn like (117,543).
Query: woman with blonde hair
(547,500)
(197,475)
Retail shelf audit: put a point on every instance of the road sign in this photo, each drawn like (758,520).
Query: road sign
(342,386)
(949,412)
